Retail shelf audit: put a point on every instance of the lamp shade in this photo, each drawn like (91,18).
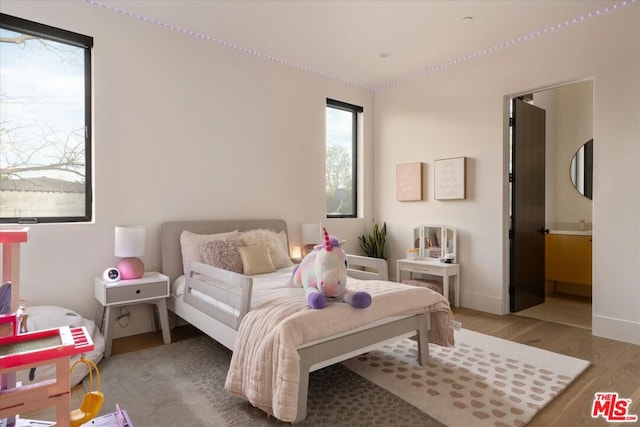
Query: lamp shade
(311,233)
(129,241)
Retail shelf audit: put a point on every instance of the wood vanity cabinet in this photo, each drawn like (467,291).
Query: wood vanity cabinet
(568,258)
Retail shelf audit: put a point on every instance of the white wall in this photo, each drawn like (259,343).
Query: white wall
(569,124)
(184,129)
(574,127)
(460,111)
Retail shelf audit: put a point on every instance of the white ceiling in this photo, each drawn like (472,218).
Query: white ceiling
(345,39)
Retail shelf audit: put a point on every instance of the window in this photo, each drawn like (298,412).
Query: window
(341,160)
(45,123)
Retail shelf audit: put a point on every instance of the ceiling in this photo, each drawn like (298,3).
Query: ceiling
(371,43)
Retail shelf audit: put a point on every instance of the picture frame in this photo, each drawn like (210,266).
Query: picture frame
(409,182)
(450,178)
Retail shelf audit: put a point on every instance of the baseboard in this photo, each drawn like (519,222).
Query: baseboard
(481,302)
(616,329)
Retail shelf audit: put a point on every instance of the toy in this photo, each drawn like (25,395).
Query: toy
(34,349)
(92,401)
(323,274)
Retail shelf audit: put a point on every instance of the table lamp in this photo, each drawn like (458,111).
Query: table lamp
(129,245)
(311,236)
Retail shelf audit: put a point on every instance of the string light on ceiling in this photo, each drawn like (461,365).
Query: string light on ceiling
(381,87)
(503,45)
(227,44)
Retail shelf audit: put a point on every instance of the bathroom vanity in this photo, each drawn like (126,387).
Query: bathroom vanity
(568,256)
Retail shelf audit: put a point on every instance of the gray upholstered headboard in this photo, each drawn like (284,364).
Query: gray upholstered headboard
(170,237)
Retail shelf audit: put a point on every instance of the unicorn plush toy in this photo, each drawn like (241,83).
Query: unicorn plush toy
(323,274)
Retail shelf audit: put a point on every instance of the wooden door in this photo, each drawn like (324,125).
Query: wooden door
(527,233)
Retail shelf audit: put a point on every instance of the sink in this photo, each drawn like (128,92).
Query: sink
(571,232)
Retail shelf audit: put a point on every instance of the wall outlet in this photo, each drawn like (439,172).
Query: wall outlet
(122,316)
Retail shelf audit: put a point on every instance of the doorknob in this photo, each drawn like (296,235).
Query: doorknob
(543,230)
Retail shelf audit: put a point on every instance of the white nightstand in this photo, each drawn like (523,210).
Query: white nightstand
(151,288)
(434,268)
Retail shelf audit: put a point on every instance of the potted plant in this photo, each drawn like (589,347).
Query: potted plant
(373,244)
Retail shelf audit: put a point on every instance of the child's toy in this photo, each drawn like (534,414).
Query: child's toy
(33,349)
(93,400)
(323,274)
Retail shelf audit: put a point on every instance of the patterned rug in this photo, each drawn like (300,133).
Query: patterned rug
(182,384)
(482,381)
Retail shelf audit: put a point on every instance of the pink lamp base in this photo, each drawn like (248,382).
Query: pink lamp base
(130,268)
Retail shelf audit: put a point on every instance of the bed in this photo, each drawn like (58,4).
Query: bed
(275,338)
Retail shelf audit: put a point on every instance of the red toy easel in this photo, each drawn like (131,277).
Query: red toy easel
(30,350)
(23,351)
(11,238)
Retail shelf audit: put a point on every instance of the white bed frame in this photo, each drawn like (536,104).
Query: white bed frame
(235,290)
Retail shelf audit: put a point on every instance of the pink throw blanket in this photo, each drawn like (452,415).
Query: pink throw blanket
(265,363)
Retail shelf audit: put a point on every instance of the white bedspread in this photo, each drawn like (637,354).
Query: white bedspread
(265,363)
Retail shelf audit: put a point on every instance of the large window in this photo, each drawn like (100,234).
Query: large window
(45,123)
(341,160)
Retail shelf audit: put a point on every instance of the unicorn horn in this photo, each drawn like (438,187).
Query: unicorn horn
(327,243)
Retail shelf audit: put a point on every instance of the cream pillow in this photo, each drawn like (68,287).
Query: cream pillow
(256,260)
(276,242)
(190,244)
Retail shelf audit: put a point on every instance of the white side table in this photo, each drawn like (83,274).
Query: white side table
(151,288)
(434,268)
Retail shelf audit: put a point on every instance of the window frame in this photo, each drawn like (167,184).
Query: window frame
(356,111)
(70,38)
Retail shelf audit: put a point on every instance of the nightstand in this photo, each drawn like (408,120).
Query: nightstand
(151,288)
(433,268)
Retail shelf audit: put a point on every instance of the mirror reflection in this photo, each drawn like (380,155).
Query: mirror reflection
(435,242)
(581,170)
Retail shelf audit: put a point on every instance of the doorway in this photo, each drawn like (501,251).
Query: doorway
(569,122)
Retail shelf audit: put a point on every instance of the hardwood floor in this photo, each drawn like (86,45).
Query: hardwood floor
(615,366)
(566,309)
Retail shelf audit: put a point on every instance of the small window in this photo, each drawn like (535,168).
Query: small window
(341,158)
(45,123)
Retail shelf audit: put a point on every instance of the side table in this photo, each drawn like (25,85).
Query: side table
(151,288)
(434,268)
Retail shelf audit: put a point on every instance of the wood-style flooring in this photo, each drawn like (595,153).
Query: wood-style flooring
(615,366)
(566,309)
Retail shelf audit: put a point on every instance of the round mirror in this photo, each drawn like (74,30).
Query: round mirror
(582,169)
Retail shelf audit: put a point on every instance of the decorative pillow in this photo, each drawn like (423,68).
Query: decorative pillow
(256,259)
(271,239)
(222,253)
(190,244)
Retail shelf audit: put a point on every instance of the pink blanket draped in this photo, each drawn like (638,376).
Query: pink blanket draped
(265,363)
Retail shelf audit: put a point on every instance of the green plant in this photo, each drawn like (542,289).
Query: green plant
(373,244)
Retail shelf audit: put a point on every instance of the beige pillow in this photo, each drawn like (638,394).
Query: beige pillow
(256,260)
(222,253)
(275,241)
(190,244)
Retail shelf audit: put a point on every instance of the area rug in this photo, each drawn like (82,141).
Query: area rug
(482,381)
(182,384)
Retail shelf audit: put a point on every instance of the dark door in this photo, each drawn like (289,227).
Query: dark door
(527,234)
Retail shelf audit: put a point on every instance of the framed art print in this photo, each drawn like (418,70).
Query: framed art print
(449,178)
(409,182)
